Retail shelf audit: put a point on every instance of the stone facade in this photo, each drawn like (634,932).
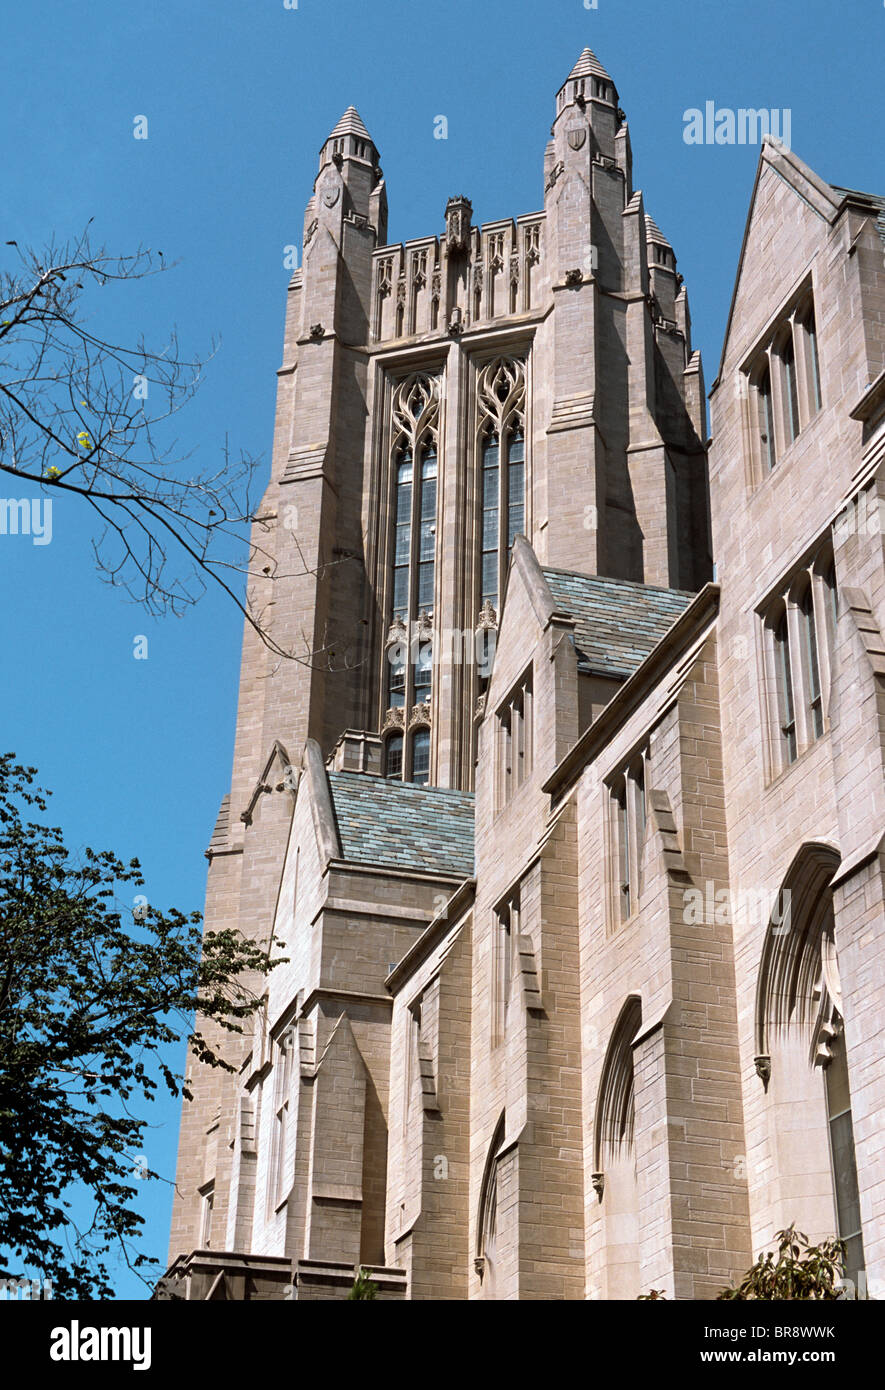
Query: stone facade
(575,856)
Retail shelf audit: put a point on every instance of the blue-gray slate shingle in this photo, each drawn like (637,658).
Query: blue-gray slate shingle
(386,822)
(617,622)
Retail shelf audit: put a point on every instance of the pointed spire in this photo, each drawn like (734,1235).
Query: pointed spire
(588,65)
(654,233)
(588,81)
(351,124)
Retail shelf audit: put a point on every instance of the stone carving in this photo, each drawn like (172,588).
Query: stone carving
(419,269)
(597,1182)
(577,136)
(458,214)
(415,407)
(420,716)
(574,277)
(532,245)
(501,389)
(385,276)
(488,618)
(397,635)
(763,1069)
(393,719)
(317,331)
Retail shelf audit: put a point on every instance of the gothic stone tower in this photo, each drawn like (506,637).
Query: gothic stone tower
(436,399)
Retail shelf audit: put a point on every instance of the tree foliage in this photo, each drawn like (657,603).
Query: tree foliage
(363,1287)
(799,1270)
(86,416)
(93,996)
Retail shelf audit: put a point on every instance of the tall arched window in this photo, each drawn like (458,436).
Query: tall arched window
(420,757)
(502,459)
(487,1220)
(491,459)
(766,419)
(812,663)
(802,1060)
(393,757)
(408,651)
(615,1156)
(787,711)
(791,388)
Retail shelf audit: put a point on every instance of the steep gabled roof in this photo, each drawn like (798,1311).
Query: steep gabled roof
(617,621)
(380,821)
(809,186)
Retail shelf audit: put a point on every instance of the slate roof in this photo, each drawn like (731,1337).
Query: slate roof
(877,204)
(397,823)
(617,622)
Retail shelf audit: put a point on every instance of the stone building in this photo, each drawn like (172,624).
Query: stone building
(574,853)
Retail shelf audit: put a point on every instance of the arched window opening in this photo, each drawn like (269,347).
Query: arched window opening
(421,757)
(487,1223)
(766,419)
(490,470)
(414,467)
(403,542)
(614,1151)
(503,485)
(812,664)
(800,1033)
(791,388)
(786,706)
(809,327)
(393,757)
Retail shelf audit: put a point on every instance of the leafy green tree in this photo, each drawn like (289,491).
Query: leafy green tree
(798,1271)
(363,1287)
(93,995)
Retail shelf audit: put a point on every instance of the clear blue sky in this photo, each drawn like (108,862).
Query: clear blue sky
(239,96)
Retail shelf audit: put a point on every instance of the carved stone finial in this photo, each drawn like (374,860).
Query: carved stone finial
(488,618)
(459,212)
(763,1069)
(597,1182)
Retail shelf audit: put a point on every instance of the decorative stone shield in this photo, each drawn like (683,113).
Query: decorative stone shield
(576,136)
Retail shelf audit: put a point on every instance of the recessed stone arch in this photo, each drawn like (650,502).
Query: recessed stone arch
(614,1151)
